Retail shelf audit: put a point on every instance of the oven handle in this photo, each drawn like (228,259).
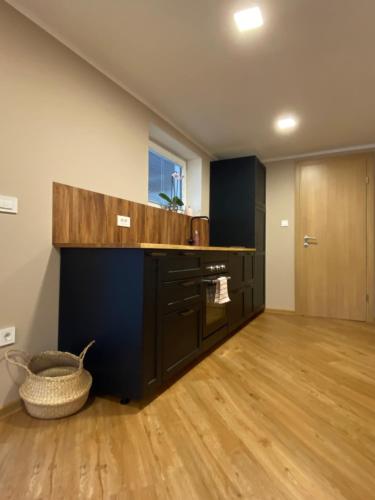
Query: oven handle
(213,282)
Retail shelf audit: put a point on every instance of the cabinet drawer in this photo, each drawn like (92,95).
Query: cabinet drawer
(180,294)
(181,265)
(181,333)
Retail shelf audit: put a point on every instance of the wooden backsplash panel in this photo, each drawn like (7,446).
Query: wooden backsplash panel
(82,217)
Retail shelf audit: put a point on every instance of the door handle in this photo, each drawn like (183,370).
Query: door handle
(309,240)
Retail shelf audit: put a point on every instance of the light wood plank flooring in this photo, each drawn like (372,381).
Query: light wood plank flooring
(283,410)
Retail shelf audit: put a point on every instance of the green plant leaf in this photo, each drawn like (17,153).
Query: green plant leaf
(165,197)
(177,201)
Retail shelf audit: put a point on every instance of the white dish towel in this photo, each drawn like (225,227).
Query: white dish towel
(218,294)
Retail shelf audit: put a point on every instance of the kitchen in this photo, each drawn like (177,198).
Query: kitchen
(170,320)
(190,186)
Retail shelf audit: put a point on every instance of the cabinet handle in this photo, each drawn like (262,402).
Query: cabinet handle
(187,283)
(192,297)
(188,253)
(158,254)
(187,313)
(173,303)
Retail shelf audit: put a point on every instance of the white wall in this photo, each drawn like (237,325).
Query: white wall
(280,199)
(61,120)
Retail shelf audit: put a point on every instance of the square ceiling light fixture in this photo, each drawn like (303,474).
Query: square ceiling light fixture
(248,19)
(286,123)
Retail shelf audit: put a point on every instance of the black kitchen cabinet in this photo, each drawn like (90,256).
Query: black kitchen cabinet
(237,270)
(241,285)
(110,295)
(182,264)
(249,307)
(236,308)
(181,339)
(147,312)
(238,213)
(180,294)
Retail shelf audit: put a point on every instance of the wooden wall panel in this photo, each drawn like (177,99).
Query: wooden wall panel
(82,217)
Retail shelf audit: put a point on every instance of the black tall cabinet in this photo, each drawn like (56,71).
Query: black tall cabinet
(238,212)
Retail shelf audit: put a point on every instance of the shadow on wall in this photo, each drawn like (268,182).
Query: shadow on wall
(38,328)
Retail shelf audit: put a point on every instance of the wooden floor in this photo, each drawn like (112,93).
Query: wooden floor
(284,410)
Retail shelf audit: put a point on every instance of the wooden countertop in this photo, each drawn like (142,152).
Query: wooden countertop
(158,246)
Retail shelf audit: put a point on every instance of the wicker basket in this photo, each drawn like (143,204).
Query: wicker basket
(56,384)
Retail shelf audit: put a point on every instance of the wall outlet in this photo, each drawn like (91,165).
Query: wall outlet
(7,336)
(123,221)
(8,204)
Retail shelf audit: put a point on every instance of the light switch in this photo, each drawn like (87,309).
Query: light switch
(284,223)
(8,204)
(7,336)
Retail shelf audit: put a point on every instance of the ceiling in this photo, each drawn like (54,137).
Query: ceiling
(186,60)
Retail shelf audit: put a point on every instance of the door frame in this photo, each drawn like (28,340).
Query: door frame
(370,233)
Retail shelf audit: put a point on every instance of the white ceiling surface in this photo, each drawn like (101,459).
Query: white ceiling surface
(185,59)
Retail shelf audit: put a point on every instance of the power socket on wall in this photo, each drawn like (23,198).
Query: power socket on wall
(123,221)
(7,336)
(8,204)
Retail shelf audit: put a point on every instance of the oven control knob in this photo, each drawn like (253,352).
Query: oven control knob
(211,268)
(222,267)
(218,268)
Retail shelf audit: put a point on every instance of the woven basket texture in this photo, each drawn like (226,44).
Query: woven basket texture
(56,384)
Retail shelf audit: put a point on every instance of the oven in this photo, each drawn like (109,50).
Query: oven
(215,316)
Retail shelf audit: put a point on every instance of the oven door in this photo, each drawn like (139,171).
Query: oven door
(215,315)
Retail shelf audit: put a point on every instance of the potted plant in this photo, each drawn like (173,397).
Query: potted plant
(174,202)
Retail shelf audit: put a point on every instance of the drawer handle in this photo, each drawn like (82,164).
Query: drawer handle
(188,283)
(187,313)
(188,253)
(192,297)
(173,303)
(157,254)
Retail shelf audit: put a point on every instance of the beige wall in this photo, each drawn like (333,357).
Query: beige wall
(63,121)
(280,240)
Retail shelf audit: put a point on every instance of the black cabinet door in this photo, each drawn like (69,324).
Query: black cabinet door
(151,365)
(232,202)
(181,334)
(259,288)
(248,302)
(249,268)
(260,183)
(236,309)
(236,270)
(260,230)
(238,215)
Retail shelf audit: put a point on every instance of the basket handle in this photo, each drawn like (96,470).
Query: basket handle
(15,352)
(83,353)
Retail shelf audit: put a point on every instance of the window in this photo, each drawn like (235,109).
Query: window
(161,165)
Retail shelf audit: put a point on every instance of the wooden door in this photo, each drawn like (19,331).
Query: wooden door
(331,209)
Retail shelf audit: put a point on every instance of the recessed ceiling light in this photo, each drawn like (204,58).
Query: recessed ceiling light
(286,123)
(248,19)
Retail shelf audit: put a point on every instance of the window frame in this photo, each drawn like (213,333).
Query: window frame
(175,159)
